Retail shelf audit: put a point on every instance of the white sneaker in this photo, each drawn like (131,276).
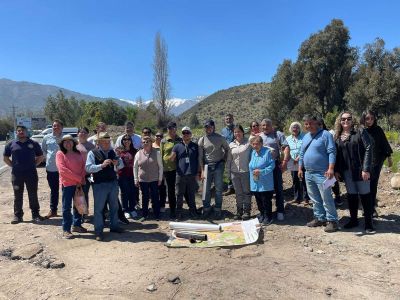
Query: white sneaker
(280,216)
(133,214)
(162,209)
(127,215)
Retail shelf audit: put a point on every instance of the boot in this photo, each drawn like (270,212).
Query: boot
(239,213)
(353,208)
(367,205)
(246,211)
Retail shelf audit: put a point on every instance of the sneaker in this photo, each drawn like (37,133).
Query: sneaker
(16,220)
(350,224)
(280,216)
(331,227)
(230,191)
(316,223)
(67,235)
(117,230)
(127,215)
(162,209)
(370,230)
(124,220)
(79,229)
(51,214)
(133,214)
(99,237)
(267,221)
(246,216)
(38,219)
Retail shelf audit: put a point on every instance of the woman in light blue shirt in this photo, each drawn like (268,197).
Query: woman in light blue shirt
(295,140)
(261,167)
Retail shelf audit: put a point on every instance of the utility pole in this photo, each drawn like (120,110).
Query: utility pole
(13,107)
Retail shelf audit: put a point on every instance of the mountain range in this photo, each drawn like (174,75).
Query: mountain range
(30,97)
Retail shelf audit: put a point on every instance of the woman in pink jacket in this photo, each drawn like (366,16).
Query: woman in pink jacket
(71,167)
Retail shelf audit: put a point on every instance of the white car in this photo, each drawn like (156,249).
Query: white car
(67,130)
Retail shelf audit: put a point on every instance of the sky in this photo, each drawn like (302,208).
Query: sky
(105,48)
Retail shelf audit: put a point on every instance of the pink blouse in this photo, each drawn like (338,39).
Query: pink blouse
(71,167)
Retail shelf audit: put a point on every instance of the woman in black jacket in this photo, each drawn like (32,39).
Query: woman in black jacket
(380,151)
(353,164)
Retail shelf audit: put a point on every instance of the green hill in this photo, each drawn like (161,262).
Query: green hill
(246,103)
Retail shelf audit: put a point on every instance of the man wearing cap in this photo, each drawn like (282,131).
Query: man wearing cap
(213,151)
(100,162)
(167,143)
(130,130)
(100,127)
(186,155)
(227,133)
(23,155)
(50,146)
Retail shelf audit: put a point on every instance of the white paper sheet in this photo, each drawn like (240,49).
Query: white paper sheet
(329,182)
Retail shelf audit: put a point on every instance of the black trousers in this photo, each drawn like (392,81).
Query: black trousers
(30,179)
(264,202)
(186,186)
(376,172)
(54,184)
(170,178)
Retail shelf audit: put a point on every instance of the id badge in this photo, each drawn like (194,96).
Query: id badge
(187,160)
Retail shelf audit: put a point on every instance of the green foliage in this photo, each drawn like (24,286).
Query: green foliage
(330,118)
(396,161)
(6,125)
(193,120)
(392,137)
(377,81)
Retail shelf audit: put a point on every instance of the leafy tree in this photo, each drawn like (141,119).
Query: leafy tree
(282,99)
(194,121)
(376,81)
(324,67)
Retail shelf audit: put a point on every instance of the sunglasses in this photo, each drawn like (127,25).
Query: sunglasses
(159,136)
(124,140)
(346,119)
(146,132)
(186,132)
(255,125)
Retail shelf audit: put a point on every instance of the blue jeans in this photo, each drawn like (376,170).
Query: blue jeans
(216,174)
(128,193)
(323,203)
(105,192)
(150,189)
(68,193)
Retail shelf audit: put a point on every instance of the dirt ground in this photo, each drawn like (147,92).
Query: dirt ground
(290,261)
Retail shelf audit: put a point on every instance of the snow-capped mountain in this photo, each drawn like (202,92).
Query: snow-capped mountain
(177,105)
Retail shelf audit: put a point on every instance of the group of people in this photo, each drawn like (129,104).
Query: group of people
(170,167)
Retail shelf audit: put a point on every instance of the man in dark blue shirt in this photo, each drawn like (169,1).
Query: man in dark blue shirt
(23,155)
(186,155)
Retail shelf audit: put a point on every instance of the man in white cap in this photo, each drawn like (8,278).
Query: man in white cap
(186,155)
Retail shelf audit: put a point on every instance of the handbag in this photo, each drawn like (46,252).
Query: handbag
(80,201)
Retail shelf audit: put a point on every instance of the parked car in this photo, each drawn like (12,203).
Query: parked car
(67,130)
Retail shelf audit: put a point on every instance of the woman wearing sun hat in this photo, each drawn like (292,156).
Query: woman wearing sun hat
(71,167)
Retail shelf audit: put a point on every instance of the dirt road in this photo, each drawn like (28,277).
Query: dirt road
(290,261)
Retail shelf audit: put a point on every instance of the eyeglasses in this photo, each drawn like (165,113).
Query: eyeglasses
(146,132)
(186,132)
(346,119)
(256,125)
